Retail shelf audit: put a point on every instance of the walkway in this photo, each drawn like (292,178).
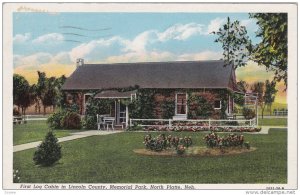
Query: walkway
(265,129)
(73,136)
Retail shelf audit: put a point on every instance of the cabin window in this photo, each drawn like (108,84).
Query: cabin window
(181,103)
(133,96)
(217,104)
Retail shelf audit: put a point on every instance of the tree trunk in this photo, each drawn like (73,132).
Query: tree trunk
(39,107)
(262,111)
(44,110)
(24,112)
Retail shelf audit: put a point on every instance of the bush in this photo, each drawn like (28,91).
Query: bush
(199,107)
(16,112)
(48,152)
(232,123)
(71,120)
(64,120)
(248,113)
(212,140)
(89,122)
(54,120)
(168,108)
(162,142)
(180,149)
(247,145)
(135,128)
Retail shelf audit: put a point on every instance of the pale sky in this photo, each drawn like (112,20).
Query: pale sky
(52,42)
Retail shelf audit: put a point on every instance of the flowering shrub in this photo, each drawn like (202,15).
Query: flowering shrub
(232,140)
(180,149)
(236,129)
(203,128)
(162,142)
(154,144)
(16,176)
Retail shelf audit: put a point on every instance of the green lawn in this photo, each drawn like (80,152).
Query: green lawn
(272,122)
(33,131)
(110,159)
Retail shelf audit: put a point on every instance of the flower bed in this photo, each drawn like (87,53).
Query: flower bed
(163,142)
(163,145)
(203,128)
(197,151)
(213,140)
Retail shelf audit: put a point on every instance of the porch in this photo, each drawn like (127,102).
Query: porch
(116,117)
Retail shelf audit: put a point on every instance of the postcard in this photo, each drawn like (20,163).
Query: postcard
(150,96)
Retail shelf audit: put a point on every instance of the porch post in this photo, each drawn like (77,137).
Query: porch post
(127,116)
(256,112)
(233,103)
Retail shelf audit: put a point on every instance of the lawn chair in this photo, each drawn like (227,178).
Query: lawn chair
(100,121)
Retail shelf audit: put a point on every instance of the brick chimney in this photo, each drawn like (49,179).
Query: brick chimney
(79,62)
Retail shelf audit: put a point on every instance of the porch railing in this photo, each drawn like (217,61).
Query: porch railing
(194,123)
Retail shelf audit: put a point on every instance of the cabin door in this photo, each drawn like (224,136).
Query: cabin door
(120,113)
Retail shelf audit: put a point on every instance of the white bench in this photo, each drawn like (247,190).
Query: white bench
(105,121)
(19,120)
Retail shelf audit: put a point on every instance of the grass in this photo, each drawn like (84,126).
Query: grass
(33,131)
(272,122)
(275,105)
(110,159)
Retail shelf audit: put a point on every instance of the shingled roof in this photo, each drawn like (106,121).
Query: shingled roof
(177,74)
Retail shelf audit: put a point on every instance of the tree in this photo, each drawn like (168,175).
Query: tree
(243,85)
(270,93)
(266,94)
(48,91)
(60,95)
(48,152)
(271,52)
(258,88)
(22,93)
(235,43)
(40,87)
(239,98)
(36,99)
